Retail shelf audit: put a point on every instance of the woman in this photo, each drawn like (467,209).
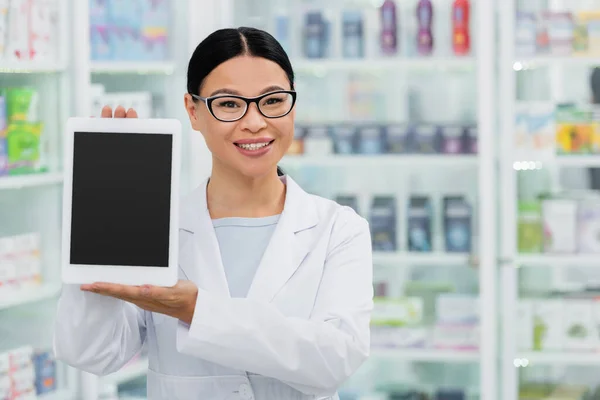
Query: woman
(275,294)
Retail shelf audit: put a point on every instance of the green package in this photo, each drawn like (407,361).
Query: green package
(23,142)
(529,228)
(21,105)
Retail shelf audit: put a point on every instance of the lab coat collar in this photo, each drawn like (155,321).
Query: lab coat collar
(289,245)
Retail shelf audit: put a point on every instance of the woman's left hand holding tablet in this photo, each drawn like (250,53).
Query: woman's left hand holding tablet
(178,301)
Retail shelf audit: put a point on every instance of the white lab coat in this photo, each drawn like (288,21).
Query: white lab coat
(300,333)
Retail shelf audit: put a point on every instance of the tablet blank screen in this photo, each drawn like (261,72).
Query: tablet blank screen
(121,199)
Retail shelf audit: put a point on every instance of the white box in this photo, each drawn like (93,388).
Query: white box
(588,218)
(21,358)
(579,328)
(524,318)
(456,337)
(560,225)
(460,309)
(548,325)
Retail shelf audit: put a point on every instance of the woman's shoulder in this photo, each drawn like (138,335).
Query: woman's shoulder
(339,213)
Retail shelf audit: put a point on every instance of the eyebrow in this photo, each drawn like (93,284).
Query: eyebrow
(272,88)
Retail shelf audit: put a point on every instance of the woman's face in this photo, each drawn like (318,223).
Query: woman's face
(249,77)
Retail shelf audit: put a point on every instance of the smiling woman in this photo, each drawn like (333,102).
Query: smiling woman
(275,290)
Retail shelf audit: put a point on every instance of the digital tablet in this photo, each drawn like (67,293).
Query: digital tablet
(120,202)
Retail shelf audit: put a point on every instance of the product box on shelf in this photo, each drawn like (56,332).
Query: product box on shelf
(370,140)
(560,225)
(588,224)
(457,322)
(529,227)
(588,33)
(353,40)
(20,262)
(133,30)
(26,373)
(429,139)
(396,138)
(525,33)
(4,4)
(344,138)
(317,141)
(395,322)
(316,35)
(3,144)
(535,134)
(575,130)
(420,219)
(24,148)
(560,27)
(383,223)
(457,224)
(29,30)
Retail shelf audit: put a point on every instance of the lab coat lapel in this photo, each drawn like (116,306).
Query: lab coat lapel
(205,266)
(289,245)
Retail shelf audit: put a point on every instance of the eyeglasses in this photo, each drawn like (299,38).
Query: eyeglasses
(230,108)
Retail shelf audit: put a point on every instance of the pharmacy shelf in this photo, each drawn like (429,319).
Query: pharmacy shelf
(21,297)
(141,68)
(558,260)
(578,161)
(425,259)
(427,355)
(558,358)
(24,181)
(58,395)
(28,67)
(554,61)
(384,160)
(369,64)
(130,372)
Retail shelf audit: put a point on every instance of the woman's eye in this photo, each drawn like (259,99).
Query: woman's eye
(273,100)
(228,104)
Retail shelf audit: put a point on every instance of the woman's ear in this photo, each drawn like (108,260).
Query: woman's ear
(190,108)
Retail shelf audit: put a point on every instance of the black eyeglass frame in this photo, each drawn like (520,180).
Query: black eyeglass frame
(249,100)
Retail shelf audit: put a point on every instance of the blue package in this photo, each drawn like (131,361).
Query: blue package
(314,35)
(45,373)
(99,12)
(383,223)
(353,34)
(344,139)
(100,43)
(370,139)
(446,394)
(420,218)
(457,224)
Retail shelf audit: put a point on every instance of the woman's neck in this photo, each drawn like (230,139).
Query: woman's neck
(230,194)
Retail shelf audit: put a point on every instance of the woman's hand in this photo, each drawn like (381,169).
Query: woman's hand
(120,112)
(178,301)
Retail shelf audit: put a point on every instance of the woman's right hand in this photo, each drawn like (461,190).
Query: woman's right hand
(120,112)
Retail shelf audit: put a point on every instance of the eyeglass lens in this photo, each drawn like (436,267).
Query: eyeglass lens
(232,108)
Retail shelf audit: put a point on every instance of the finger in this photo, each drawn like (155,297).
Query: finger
(131,113)
(107,112)
(123,292)
(120,112)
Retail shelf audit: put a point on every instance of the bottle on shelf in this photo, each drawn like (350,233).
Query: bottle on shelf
(389,28)
(461,41)
(424,21)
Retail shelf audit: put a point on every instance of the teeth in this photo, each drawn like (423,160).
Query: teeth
(253,146)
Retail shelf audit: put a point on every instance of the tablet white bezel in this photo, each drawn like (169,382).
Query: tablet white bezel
(127,275)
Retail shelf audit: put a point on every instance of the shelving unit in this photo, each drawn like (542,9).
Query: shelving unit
(25,181)
(531,359)
(404,259)
(427,355)
(388,160)
(31,295)
(396,63)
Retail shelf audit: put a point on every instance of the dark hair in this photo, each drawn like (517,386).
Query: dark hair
(225,44)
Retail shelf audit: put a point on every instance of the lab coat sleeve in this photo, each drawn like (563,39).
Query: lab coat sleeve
(314,356)
(96,334)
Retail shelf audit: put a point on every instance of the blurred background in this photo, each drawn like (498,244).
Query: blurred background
(466,131)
